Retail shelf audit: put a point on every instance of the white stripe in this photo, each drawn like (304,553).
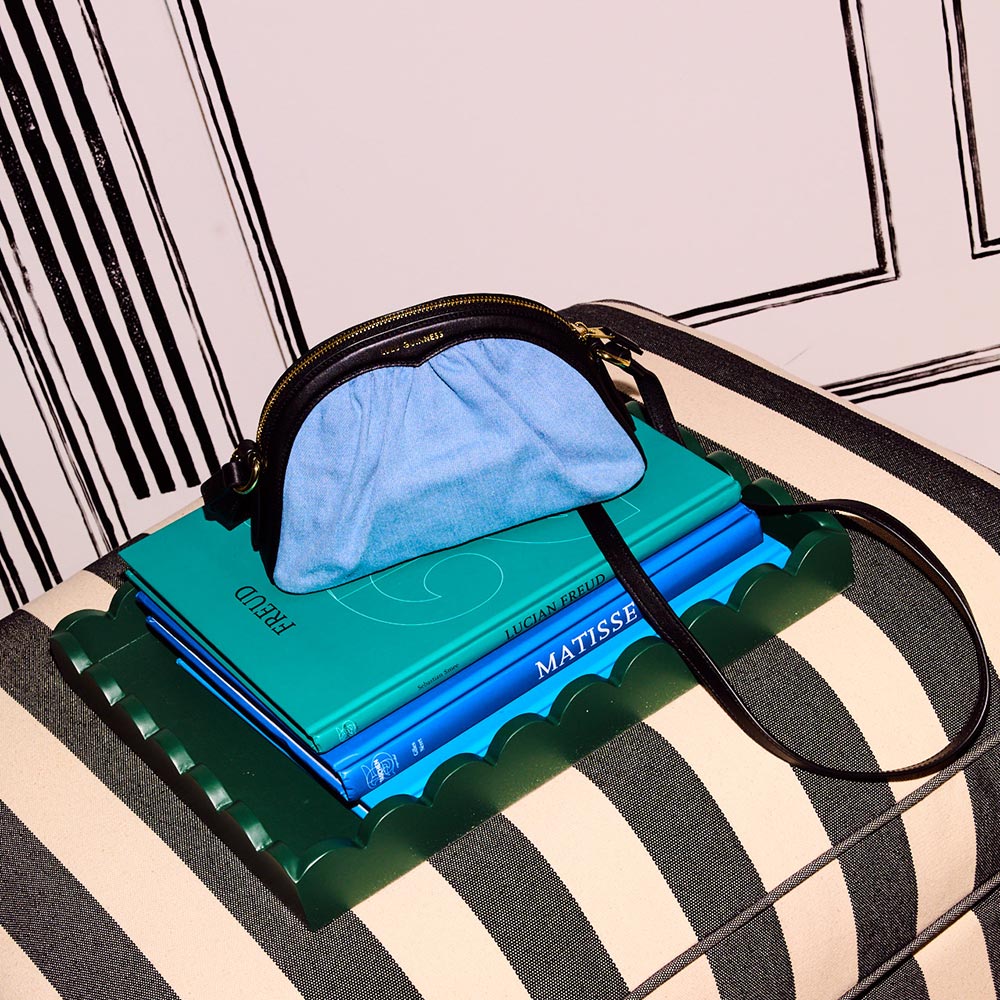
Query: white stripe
(20,978)
(83,590)
(873,680)
(956,963)
(776,823)
(437,940)
(195,944)
(610,874)
(694,982)
(885,698)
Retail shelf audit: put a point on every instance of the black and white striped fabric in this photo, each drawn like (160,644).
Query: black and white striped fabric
(678,860)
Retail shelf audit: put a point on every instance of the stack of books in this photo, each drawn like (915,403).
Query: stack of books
(373,684)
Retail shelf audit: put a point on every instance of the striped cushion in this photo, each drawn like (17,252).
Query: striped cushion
(679,860)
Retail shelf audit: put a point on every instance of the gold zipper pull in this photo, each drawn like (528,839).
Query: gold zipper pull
(585,332)
(588,333)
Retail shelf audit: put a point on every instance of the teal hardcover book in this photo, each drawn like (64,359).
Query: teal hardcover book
(335,661)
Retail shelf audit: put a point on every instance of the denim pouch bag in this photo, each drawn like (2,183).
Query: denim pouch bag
(424,429)
(460,417)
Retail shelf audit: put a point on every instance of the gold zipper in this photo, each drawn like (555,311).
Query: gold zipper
(584,332)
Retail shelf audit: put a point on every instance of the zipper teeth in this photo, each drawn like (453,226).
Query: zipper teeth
(374,324)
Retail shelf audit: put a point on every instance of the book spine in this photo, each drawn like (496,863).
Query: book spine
(362,768)
(519,621)
(703,550)
(540,699)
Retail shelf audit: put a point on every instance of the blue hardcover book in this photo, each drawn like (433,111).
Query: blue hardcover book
(400,739)
(674,569)
(539,700)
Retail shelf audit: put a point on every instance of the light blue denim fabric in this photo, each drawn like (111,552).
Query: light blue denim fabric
(402,461)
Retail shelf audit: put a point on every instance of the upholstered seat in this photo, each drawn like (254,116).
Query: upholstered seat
(679,860)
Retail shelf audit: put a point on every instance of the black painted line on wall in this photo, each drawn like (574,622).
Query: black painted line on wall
(56,449)
(82,264)
(121,371)
(26,521)
(9,578)
(927,385)
(43,376)
(98,230)
(176,263)
(884,239)
(968,147)
(58,412)
(290,331)
(916,366)
(125,225)
(915,378)
(70,312)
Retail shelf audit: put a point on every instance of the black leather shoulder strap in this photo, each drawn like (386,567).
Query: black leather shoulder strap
(671,629)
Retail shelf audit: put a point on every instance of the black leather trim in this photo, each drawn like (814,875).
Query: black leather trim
(409,343)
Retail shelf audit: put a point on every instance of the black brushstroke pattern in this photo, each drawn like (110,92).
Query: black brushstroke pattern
(70,313)
(970,129)
(9,579)
(870,134)
(61,212)
(57,122)
(120,210)
(18,322)
(28,339)
(914,379)
(916,367)
(257,221)
(174,259)
(48,431)
(23,514)
(899,391)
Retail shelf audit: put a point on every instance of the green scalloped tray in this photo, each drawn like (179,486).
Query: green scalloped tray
(314,852)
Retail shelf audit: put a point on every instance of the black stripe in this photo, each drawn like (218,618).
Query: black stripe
(56,922)
(921,624)
(342,960)
(177,268)
(984,790)
(926,385)
(790,697)
(60,458)
(859,381)
(988,915)
(868,142)
(875,174)
(970,125)
(256,220)
(915,375)
(120,210)
(26,521)
(764,298)
(101,237)
(689,838)
(529,912)
(110,568)
(71,315)
(12,586)
(906,983)
(37,150)
(880,876)
(53,397)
